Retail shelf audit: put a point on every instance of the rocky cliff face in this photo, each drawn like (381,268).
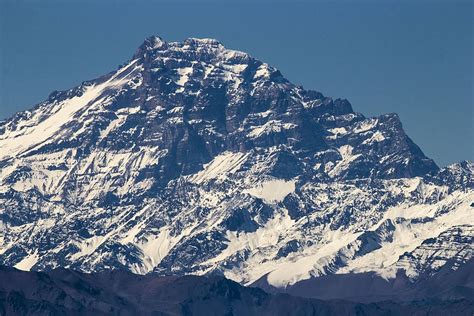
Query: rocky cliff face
(193,158)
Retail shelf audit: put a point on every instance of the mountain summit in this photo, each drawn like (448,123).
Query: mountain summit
(194,158)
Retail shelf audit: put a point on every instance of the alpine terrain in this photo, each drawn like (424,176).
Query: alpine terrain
(192,158)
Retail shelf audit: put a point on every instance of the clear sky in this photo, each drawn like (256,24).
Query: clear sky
(410,57)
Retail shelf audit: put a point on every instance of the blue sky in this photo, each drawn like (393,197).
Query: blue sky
(414,58)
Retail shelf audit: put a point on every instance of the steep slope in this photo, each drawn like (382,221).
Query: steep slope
(193,158)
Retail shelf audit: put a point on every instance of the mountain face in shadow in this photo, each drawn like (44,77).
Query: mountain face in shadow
(369,287)
(62,291)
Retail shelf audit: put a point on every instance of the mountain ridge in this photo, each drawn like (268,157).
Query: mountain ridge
(62,291)
(194,159)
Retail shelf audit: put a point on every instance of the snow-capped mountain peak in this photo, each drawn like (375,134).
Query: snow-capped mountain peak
(194,158)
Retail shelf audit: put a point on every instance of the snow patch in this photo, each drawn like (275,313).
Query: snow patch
(344,163)
(184,75)
(28,262)
(262,72)
(375,138)
(366,125)
(272,191)
(220,167)
(272,126)
(306,265)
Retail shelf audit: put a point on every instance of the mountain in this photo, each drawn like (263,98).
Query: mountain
(192,158)
(447,284)
(65,292)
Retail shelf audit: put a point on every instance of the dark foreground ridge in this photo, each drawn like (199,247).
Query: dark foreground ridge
(446,285)
(69,292)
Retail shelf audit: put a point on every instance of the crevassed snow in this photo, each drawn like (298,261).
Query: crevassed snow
(272,191)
